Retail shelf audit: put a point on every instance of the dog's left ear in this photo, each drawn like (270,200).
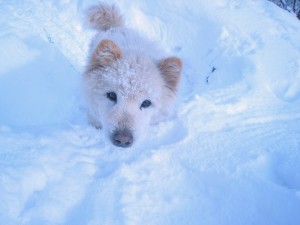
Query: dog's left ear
(170,69)
(106,52)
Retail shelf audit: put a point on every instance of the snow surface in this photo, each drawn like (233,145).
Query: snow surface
(230,156)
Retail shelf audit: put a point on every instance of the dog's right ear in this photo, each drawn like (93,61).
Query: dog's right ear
(106,53)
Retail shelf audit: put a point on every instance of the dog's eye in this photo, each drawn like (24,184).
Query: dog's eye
(145,104)
(112,96)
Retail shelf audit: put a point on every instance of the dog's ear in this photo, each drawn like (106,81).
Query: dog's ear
(106,52)
(170,69)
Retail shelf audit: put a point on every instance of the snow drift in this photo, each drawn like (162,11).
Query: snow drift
(229,156)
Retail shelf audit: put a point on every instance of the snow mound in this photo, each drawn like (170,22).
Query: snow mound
(229,156)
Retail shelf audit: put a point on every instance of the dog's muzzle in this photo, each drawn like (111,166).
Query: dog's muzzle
(122,138)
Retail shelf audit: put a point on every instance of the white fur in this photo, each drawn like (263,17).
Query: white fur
(134,77)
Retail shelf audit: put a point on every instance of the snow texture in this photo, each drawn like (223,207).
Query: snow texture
(127,79)
(229,156)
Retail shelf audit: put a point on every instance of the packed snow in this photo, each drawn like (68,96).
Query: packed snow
(229,155)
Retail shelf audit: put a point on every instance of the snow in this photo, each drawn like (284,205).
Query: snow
(229,156)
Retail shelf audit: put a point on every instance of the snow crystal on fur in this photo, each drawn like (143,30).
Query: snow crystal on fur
(131,79)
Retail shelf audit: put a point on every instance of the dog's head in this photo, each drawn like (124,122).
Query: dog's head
(127,91)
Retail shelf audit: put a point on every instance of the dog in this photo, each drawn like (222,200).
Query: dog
(128,82)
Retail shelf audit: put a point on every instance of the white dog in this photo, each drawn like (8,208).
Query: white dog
(128,82)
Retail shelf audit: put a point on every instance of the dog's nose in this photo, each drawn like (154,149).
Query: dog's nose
(122,138)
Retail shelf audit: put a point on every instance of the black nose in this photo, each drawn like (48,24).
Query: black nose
(122,138)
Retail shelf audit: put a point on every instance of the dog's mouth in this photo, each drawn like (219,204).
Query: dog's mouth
(122,138)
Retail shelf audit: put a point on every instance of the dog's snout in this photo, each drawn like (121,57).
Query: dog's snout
(122,138)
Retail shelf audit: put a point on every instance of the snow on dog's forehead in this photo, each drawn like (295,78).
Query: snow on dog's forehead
(134,78)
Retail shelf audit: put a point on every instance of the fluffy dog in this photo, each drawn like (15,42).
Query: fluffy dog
(128,82)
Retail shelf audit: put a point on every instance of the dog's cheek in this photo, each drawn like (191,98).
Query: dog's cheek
(163,108)
(109,121)
(145,119)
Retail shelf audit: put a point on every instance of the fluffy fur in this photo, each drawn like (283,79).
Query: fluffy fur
(128,82)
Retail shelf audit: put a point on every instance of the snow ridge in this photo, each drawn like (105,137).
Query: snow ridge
(230,155)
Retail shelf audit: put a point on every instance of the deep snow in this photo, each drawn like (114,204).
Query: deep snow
(230,155)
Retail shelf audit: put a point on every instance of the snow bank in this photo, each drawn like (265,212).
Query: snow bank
(229,156)
(39,89)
